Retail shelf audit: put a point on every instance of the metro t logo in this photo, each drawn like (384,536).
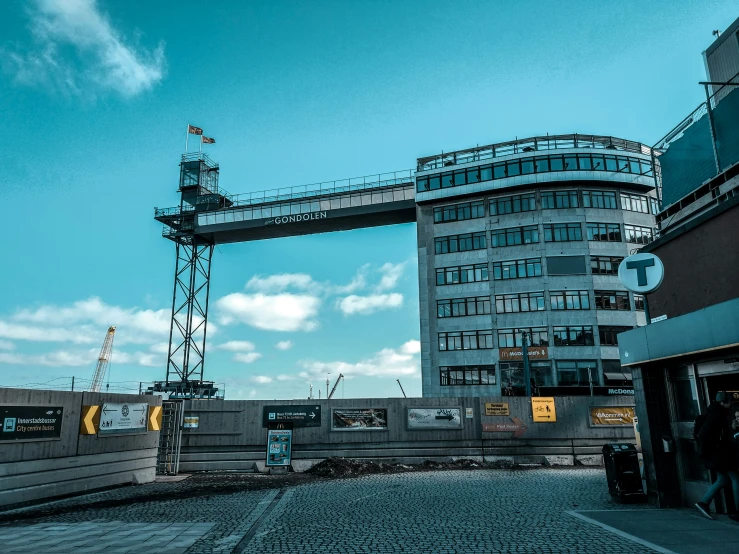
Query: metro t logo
(641,270)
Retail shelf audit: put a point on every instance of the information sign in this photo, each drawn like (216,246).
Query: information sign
(123,418)
(497,408)
(299,416)
(31,422)
(543,409)
(279,447)
(191,422)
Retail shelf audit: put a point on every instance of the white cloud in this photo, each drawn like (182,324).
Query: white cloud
(160,348)
(369,304)
(103,59)
(248,358)
(389,362)
(282,345)
(237,346)
(281,282)
(6,345)
(252,393)
(261,379)
(78,358)
(86,321)
(391,274)
(280,312)
(286,377)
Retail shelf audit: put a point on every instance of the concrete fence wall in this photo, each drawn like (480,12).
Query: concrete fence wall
(230,434)
(73,463)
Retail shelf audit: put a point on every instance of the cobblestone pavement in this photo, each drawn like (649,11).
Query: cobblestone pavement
(507,511)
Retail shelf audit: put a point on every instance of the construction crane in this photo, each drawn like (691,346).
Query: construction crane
(336,384)
(401,388)
(103,361)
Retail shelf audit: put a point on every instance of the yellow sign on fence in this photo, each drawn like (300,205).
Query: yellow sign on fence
(90,420)
(610,416)
(497,408)
(543,409)
(155,418)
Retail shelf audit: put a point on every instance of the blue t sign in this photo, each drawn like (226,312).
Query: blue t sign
(641,273)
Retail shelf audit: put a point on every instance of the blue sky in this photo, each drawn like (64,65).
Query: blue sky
(95,98)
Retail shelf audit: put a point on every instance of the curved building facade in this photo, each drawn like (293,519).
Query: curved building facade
(527,236)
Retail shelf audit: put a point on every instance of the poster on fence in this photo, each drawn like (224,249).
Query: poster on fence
(612,416)
(359,419)
(434,418)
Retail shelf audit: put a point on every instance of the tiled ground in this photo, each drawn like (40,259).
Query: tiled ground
(486,511)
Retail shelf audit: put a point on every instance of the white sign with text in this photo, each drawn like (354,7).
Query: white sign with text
(123,418)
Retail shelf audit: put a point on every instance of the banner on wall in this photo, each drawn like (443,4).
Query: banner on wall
(434,418)
(359,419)
(612,416)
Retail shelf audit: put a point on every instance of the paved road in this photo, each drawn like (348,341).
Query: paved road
(507,511)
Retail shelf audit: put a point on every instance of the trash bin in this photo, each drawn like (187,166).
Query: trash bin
(622,471)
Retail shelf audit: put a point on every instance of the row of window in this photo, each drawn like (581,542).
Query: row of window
(572,373)
(519,269)
(535,302)
(553,232)
(532,165)
(518,203)
(562,335)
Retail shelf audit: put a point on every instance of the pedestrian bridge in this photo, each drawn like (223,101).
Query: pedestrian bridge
(336,206)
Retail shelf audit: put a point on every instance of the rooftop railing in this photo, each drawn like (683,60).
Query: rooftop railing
(533,144)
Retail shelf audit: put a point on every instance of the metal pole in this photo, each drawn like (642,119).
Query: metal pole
(646,309)
(526,368)
(712,127)
(590,380)
(72,383)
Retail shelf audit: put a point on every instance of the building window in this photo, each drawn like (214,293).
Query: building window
(511,377)
(514,236)
(599,199)
(606,232)
(560,199)
(466,375)
(510,338)
(530,165)
(462,274)
(654,205)
(605,265)
(513,204)
(460,307)
(562,232)
(517,269)
(519,302)
(459,212)
(569,300)
(612,300)
(609,334)
(574,373)
(466,340)
(639,302)
(634,203)
(638,235)
(573,336)
(616,376)
(460,243)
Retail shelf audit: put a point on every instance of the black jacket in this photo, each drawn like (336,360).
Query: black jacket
(715,438)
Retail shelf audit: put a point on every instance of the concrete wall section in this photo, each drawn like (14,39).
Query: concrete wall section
(230,435)
(44,468)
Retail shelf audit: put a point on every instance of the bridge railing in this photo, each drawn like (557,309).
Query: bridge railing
(326,188)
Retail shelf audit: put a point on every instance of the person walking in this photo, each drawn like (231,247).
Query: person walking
(718,452)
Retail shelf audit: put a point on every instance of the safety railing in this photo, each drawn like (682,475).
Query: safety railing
(171,212)
(356,184)
(533,144)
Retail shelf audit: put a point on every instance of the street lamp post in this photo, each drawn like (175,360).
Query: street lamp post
(526,368)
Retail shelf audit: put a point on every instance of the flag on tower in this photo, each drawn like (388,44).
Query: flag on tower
(192,130)
(207,140)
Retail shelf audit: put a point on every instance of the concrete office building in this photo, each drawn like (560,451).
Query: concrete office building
(527,236)
(722,61)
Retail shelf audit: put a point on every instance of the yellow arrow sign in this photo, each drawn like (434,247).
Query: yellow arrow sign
(155,418)
(90,421)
